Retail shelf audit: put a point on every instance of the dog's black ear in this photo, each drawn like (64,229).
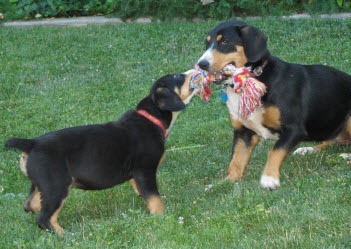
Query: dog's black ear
(255,43)
(167,100)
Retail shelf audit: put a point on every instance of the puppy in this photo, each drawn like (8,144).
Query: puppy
(302,102)
(100,156)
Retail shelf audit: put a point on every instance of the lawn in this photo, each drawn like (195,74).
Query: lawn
(57,77)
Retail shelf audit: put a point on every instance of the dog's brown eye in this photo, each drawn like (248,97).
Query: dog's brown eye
(224,41)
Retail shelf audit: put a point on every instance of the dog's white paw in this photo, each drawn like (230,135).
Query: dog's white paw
(269,182)
(346,156)
(304,150)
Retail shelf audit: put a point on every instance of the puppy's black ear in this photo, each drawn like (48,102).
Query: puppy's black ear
(255,43)
(167,100)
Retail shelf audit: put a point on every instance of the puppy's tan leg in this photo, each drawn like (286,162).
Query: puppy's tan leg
(33,203)
(243,145)
(145,180)
(270,178)
(154,204)
(133,182)
(54,220)
(48,216)
(134,185)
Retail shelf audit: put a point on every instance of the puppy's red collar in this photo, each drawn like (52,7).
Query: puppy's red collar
(154,120)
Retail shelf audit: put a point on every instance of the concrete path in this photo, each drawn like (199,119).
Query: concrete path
(77,21)
(101,20)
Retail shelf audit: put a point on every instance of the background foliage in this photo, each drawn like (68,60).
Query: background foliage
(165,9)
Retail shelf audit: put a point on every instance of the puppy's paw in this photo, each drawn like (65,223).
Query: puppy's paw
(155,205)
(305,150)
(269,182)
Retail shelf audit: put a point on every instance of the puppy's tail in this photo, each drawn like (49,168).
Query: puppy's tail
(25,145)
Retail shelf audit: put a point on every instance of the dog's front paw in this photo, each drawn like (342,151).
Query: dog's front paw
(232,178)
(346,156)
(269,182)
(305,150)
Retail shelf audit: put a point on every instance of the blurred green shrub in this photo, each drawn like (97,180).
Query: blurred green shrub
(166,9)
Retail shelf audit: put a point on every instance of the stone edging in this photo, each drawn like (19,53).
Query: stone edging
(101,20)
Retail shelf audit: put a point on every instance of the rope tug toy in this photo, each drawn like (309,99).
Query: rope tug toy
(243,82)
(204,79)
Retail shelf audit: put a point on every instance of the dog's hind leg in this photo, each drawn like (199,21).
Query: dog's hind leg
(309,150)
(54,184)
(52,204)
(345,138)
(134,185)
(33,203)
(244,142)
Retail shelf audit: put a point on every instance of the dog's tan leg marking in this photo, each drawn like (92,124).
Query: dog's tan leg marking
(348,127)
(345,135)
(324,144)
(345,138)
(23,163)
(134,185)
(53,220)
(155,204)
(271,174)
(241,158)
(33,203)
(133,182)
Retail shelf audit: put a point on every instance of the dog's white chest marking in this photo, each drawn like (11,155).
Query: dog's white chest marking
(254,122)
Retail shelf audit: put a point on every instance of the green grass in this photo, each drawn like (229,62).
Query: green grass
(53,78)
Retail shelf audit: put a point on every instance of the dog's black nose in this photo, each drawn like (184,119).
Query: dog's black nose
(204,64)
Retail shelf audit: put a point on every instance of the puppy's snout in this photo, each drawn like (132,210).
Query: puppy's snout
(204,64)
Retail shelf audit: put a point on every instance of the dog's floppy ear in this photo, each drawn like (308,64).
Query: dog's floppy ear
(167,100)
(255,43)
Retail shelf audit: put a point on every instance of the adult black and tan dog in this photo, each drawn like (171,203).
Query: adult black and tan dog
(302,102)
(100,156)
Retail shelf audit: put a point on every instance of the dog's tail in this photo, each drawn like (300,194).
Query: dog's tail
(22,144)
